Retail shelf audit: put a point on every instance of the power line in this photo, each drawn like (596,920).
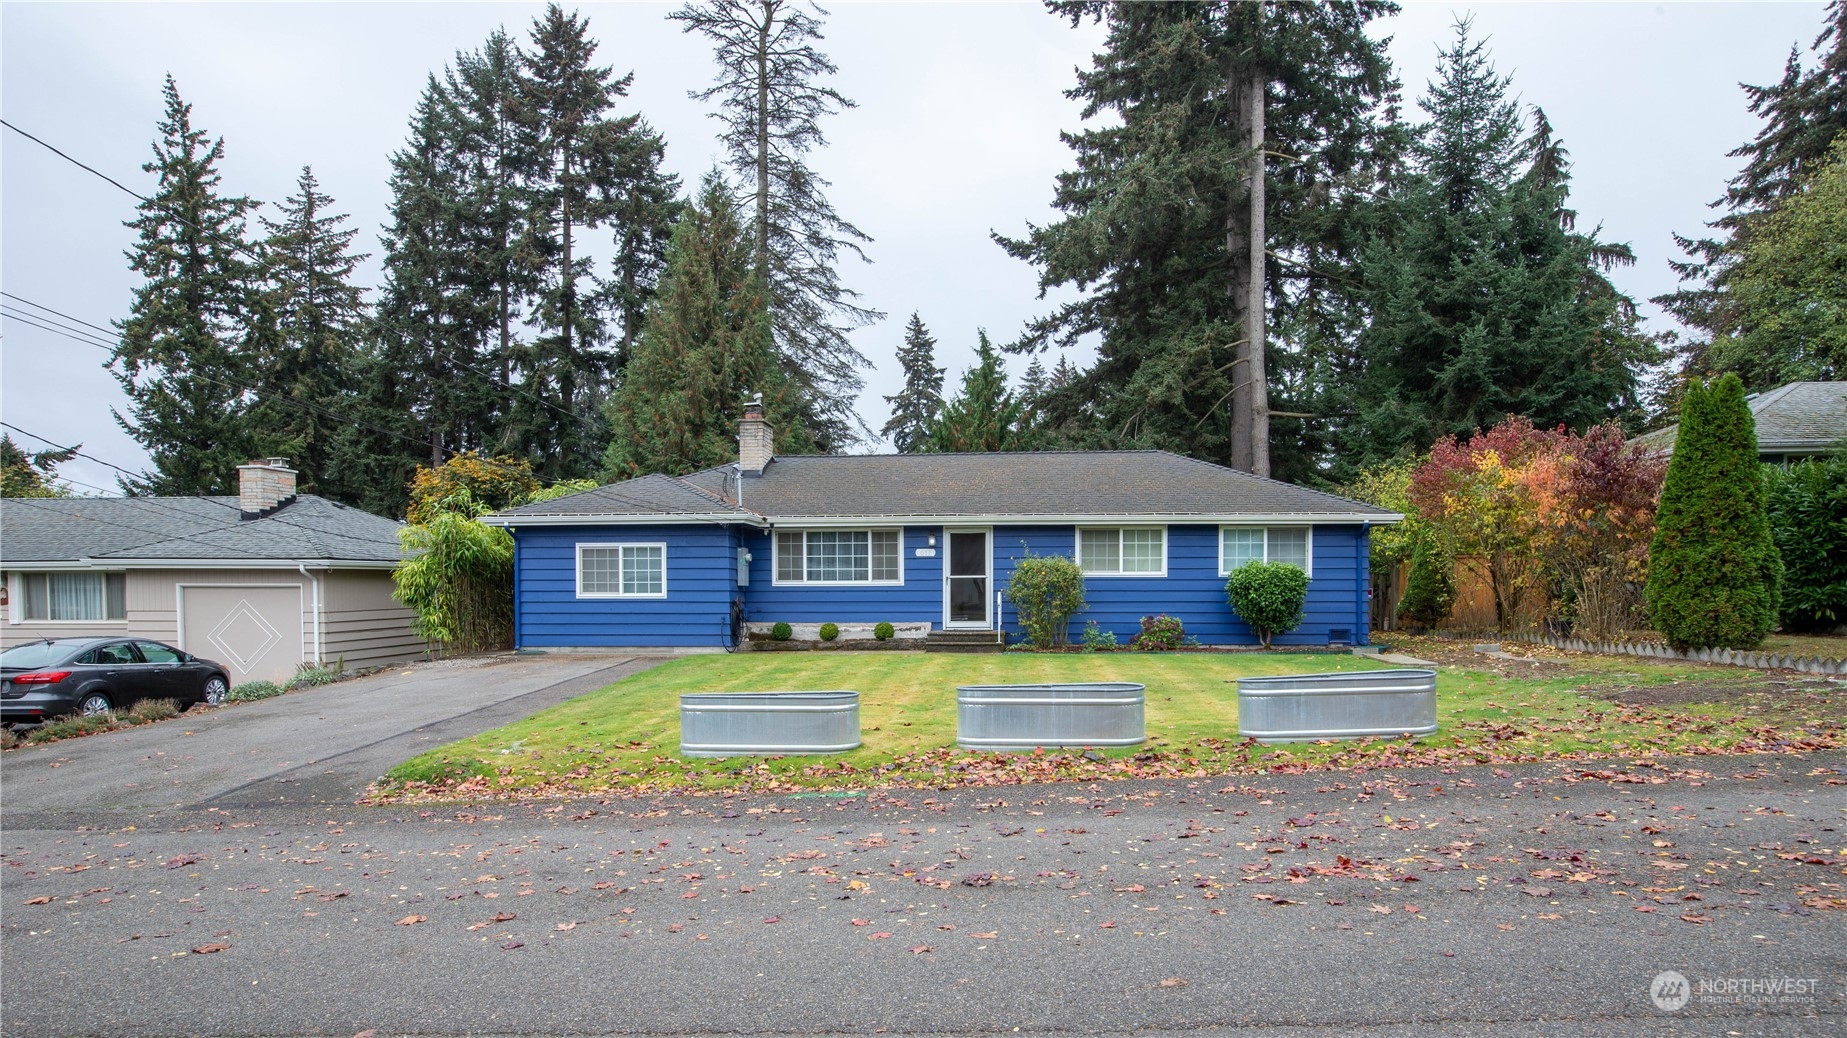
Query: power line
(253,253)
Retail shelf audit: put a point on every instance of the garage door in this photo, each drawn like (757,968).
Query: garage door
(256,632)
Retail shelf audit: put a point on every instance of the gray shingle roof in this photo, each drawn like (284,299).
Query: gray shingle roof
(1029,484)
(1798,417)
(148,529)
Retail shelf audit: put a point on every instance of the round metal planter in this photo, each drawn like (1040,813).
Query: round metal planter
(1348,705)
(751,724)
(1026,717)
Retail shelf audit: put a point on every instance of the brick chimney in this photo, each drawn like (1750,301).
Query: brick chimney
(263,486)
(754,439)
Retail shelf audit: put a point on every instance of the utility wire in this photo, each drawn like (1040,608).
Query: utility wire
(257,255)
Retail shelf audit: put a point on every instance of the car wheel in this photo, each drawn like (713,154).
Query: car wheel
(94,703)
(215,690)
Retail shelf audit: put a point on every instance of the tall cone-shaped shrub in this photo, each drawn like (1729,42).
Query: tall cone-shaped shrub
(1714,574)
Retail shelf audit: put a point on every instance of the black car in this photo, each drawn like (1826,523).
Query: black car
(40,680)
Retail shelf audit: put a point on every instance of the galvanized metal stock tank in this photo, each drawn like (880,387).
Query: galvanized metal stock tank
(742,724)
(1348,705)
(1024,717)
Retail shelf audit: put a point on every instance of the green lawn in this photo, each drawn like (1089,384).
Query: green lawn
(625,738)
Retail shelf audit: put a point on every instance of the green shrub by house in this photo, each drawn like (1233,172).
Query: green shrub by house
(829,632)
(883,631)
(1807,507)
(1714,574)
(1269,596)
(781,632)
(1430,590)
(1159,633)
(1046,590)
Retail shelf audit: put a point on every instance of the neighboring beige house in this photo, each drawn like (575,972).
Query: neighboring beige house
(263,582)
(1795,421)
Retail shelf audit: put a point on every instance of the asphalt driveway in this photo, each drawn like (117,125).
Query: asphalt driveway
(314,746)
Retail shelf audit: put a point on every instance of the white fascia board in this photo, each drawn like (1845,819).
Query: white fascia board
(624,519)
(1143,519)
(126,564)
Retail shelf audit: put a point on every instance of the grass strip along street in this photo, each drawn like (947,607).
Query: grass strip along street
(623,739)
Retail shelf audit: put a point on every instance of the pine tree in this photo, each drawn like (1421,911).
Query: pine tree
(320,318)
(1803,114)
(984,415)
(704,349)
(771,104)
(32,474)
(918,403)
(1714,574)
(584,160)
(1159,229)
(1485,301)
(196,324)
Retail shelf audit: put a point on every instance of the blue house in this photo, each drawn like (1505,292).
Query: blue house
(926,542)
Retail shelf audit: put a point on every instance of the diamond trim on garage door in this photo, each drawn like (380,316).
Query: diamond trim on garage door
(243,626)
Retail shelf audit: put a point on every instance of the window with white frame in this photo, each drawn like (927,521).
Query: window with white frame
(1241,544)
(1122,551)
(622,571)
(73,597)
(838,557)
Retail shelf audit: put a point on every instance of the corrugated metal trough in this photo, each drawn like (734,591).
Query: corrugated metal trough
(1023,717)
(1304,707)
(743,724)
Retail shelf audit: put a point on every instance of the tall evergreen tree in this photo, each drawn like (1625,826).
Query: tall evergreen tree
(1803,114)
(921,399)
(1158,217)
(1714,573)
(196,325)
(320,318)
(705,347)
(32,473)
(771,103)
(984,415)
(584,161)
(1485,300)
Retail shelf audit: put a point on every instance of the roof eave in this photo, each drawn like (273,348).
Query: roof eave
(108,563)
(1151,518)
(511,519)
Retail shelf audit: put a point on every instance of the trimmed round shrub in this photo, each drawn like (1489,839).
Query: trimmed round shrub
(1714,574)
(1269,596)
(1159,633)
(1430,590)
(1046,590)
(829,632)
(782,632)
(884,631)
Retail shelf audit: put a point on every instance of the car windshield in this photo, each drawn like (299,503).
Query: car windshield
(36,654)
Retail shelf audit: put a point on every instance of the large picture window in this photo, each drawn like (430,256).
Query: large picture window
(1122,551)
(76,597)
(622,571)
(1241,544)
(838,557)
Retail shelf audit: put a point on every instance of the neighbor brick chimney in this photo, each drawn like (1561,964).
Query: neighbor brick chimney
(754,439)
(263,486)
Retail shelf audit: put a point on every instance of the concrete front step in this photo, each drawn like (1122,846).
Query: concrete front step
(963,641)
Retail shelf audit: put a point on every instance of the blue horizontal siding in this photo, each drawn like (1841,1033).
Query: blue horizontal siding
(701,582)
(919,599)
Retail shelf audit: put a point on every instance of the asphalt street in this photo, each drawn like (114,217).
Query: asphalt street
(1535,900)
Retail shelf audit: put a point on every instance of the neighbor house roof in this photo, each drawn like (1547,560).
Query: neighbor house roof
(1801,417)
(1021,486)
(140,531)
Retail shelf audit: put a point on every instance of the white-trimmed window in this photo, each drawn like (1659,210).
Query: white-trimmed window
(621,571)
(1241,544)
(75,597)
(839,557)
(1122,551)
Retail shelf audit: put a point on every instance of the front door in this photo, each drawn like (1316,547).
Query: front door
(966,580)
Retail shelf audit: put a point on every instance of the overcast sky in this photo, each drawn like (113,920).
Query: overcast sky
(956,134)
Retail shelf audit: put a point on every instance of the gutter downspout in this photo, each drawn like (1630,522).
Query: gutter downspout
(1363,618)
(319,625)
